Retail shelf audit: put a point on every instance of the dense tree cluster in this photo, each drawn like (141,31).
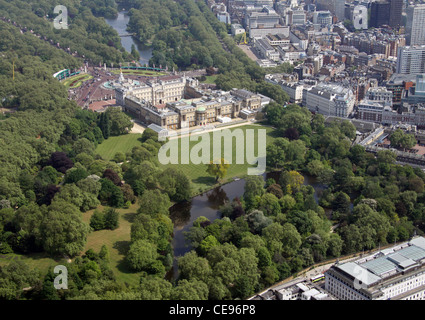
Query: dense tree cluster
(88,36)
(186,35)
(371,200)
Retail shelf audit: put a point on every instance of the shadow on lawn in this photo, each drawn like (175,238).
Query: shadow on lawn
(122,246)
(209,181)
(130,217)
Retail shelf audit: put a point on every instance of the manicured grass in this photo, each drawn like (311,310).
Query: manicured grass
(41,261)
(76,81)
(202,181)
(210,79)
(117,241)
(123,143)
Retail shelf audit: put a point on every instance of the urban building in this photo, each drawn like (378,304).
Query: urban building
(398,84)
(411,60)
(396,10)
(329,99)
(294,290)
(257,23)
(175,102)
(370,111)
(166,89)
(265,50)
(381,95)
(415,95)
(339,7)
(237,29)
(415,25)
(295,17)
(380,13)
(397,273)
(322,18)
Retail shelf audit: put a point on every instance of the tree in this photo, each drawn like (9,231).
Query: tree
(254,188)
(111,218)
(207,243)
(14,277)
(104,124)
(141,255)
(60,161)
(276,190)
(269,204)
(341,205)
(193,267)
(97,220)
(113,176)
(291,181)
(190,290)
(400,139)
(74,175)
(120,123)
(218,170)
(62,229)
(154,202)
(258,221)
(119,157)
(110,193)
(276,153)
(154,288)
(315,167)
(176,184)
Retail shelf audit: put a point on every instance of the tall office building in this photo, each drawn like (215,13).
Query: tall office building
(411,60)
(339,6)
(396,10)
(380,13)
(386,12)
(420,85)
(415,26)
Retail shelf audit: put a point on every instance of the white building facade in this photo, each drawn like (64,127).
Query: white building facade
(397,273)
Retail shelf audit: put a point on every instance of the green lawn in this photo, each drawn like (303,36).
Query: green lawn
(76,81)
(117,241)
(202,181)
(123,143)
(210,79)
(41,261)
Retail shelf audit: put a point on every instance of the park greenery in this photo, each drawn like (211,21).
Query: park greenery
(186,35)
(51,175)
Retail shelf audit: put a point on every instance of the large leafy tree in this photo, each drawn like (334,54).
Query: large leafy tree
(62,229)
(218,170)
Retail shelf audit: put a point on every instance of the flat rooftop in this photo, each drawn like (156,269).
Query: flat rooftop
(374,268)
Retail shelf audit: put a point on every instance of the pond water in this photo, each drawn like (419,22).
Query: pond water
(207,204)
(120,25)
